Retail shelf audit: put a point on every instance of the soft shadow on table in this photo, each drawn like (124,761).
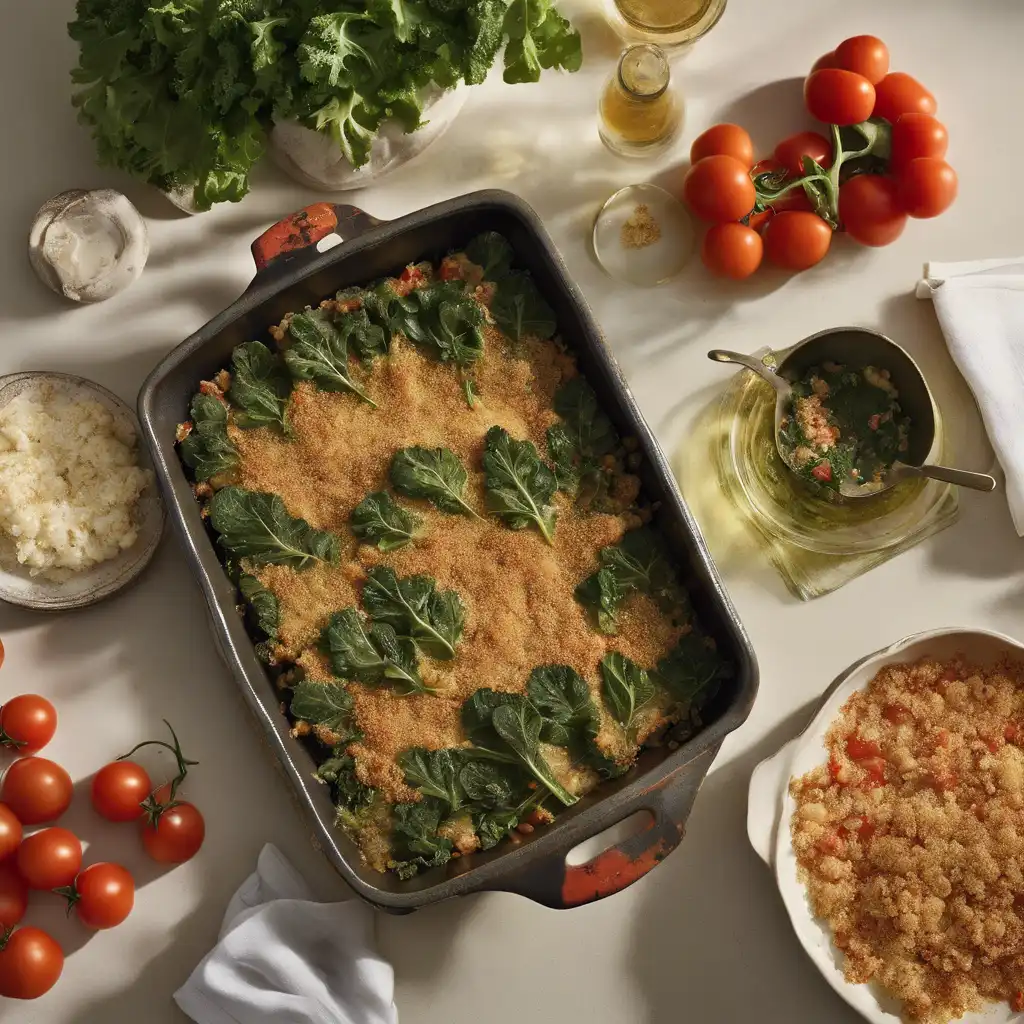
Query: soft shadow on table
(712,942)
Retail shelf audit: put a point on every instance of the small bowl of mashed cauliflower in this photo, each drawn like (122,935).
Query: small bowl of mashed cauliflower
(80,516)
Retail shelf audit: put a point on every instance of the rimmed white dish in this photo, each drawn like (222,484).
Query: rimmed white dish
(79,589)
(770,806)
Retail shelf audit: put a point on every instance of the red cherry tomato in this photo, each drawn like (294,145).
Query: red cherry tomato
(27,723)
(118,790)
(50,859)
(178,833)
(927,186)
(732,250)
(724,140)
(839,97)
(718,188)
(870,209)
(898,94)
(13,896)
(826,60)
(866,55)
(37,790)
(103,896)
(796,240)
(10,832)
(791,151)
(915,135)
(30,964)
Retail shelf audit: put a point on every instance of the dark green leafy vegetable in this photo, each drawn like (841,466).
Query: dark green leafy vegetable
(262,605)
(206,449)
(377,519)
(184,93)
(470,393)
(519,309)
(693,669)
(256,525)
(339,771)
(447,322)
(367,338)
(415,841)
(326,704)
(627,688)
(519,486)
(387,309)
(415,608)
(260,387)
(601,591)
(319,352)
(492,253)
(507,727)
(434,474)
(490,784)
(579,444)
(375,656)
(434,773)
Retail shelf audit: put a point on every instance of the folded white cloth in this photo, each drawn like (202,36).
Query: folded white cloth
(283,959)
(980,306)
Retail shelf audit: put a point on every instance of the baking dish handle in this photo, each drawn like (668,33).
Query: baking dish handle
(293,239)
(557,884)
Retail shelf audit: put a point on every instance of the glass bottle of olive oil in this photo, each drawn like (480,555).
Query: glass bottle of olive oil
(639,112)
(669,22)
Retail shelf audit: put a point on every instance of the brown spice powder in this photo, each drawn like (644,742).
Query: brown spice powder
(640,229)
(517,590)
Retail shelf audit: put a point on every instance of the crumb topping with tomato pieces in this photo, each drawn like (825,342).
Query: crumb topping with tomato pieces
(910,837)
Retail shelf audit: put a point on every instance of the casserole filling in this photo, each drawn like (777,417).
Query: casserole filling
(442,550)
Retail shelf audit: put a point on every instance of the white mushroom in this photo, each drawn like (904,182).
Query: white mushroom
(88,245)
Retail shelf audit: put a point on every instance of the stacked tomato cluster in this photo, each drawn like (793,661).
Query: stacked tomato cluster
(37,791)
(883,163)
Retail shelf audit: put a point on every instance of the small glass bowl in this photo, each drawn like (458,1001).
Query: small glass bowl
(652,264)
(679,23)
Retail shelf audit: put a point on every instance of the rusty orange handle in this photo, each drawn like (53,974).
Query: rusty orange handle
(554,883)
(295,237)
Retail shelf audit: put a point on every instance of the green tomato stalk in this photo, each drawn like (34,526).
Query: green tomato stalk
(821,186)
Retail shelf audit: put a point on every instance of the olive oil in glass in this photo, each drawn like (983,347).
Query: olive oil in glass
(639,112)
(669,22)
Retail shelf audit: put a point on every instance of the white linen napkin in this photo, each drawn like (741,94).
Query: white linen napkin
(283,959)
(980,306)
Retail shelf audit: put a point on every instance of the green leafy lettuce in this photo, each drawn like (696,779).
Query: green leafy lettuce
(379,520)
(318,351)
(183,94)
(519,485)
(373,654)
(260,387)
(584,437)
(326,704)
(627,688)
(415,608)
(446,322)
(256,525)
(206,450)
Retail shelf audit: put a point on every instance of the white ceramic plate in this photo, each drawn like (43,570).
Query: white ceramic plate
(92,585)
(770,807)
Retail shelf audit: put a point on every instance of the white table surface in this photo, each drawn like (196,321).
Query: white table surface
(704,937)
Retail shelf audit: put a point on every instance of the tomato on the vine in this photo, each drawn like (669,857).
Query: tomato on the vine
(118,790)
(102,895)
(927,186)
(178,833)
(915,135)
(796,239)
(724,140)
(870,209)
(30,964)
(898,94)
(27,723)
(790,152)
(840,97)
(866,55)
(11,832)
(826,60)
(718,188)
(37,790)
(732,250)
(13,896)
(50,859)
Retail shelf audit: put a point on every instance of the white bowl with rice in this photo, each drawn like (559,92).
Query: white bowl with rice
(80,516)
(771,805)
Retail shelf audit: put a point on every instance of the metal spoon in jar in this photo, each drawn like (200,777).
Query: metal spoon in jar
(859,347)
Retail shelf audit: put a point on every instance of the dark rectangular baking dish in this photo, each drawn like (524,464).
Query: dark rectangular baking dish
(292,273)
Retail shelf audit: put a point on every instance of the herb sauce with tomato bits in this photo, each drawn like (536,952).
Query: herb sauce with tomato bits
(844,424)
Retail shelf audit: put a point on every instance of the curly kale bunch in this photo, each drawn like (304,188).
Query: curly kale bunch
(183,93)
